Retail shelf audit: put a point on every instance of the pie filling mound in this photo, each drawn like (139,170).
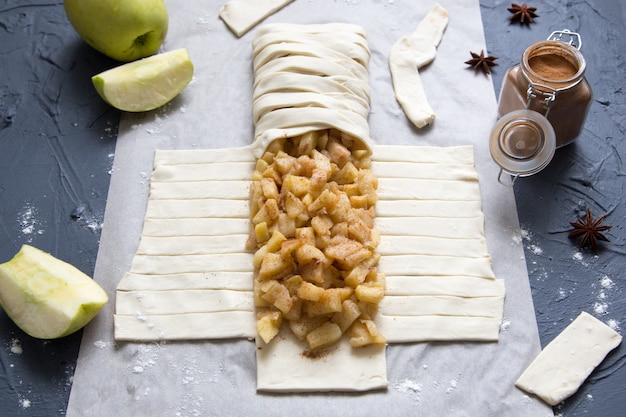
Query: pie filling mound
(312,226)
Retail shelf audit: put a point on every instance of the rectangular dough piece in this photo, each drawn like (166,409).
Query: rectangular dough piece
(281,367)
(564,364)
(242,15)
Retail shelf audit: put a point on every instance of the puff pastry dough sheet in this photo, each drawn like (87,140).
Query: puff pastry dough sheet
(191,277)
(242,15)
(564,364)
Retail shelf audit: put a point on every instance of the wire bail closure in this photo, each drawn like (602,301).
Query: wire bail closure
(512,177)
(574,38)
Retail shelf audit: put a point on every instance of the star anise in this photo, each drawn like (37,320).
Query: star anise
(522,13)
(589,231)
(482,62)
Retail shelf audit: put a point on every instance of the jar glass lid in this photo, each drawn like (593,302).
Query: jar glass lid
(522,142)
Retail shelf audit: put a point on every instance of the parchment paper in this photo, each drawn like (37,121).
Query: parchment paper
(218,377)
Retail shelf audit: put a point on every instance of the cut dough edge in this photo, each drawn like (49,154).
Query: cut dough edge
(564,364)
(410,53)
(242,15)
(204,262)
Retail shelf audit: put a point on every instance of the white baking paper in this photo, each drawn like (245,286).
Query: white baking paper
(218,378)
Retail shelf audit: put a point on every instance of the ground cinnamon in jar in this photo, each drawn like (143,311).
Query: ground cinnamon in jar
(549,80)
(552,67)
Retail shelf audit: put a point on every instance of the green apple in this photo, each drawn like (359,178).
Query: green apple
(124,30)
(46,297)
(147,83)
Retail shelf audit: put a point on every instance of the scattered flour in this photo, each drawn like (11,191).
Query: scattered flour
(525,234)
(602,303)
(600,308)
(606,283)
(578,256)
(16,346)
(146,356)
(28,222)
(536,249)
(613,324)
(407,385)
(100,344)
(24,403)
(562,294)
(111,158)
(110,131)
(94,225)
(505,325)
(452,386)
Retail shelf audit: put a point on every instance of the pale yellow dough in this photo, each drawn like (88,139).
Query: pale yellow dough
(440,286)
(309,78)
(191,277)
(409,54)
(564,364)
(242,15)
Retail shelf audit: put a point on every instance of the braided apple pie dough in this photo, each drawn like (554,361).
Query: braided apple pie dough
(192,276)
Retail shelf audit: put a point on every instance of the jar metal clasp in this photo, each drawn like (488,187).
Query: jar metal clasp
(539,90)
(574,38)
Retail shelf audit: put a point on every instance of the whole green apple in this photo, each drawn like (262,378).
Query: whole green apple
(124,30)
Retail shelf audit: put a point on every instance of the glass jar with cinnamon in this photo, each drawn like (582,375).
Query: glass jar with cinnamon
(547,85)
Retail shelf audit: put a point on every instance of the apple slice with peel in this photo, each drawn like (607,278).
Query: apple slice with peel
(145,84)
(46,297)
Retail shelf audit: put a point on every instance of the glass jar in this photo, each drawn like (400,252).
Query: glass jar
(549,84)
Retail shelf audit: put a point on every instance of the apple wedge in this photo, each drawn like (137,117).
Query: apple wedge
(145,84)
(46,297)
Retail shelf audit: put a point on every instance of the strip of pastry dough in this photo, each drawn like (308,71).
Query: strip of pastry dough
(425,154)
(447,227)
(202,172)
(242,15)
(409,54)
(183,301)
(436,246)
(458,286)
(195,226)
(154,265)
(177,157)
(428,208)
(429,305)
(190,245)
(217,325)
(203,208)
(564,364)
(427,189)
(185,190)
(439,328)
(436,265)
(424,171)
(213,280)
